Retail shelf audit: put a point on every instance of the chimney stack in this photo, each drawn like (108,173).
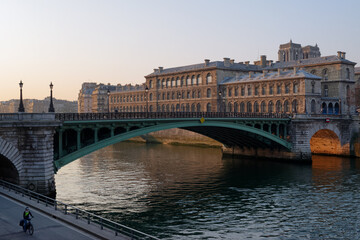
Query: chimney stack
(247,63)
(227,62)
(161,69)
(263,60)
(232,61)
(339,54)
(343,55)
(207,61)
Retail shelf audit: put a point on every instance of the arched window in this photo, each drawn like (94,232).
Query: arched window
(236,93)
(151,108)
(263,107)
(294,106)
(172,108)
(182,82)
(199,94)
(163,83)
(326,91)
(193,94)
(256,107)
(198,79)
(323,108)
(150,84)
(198,107)
(167,107)
(208,107)
(163,108)
(193,80)
(236,106)
(325,74)
(187,107)
(313,106)
(330,108)
(278,107)
(208,78)
(270,107)
(150,96)
(188,81)
(167,83)
(230,109)
(336,109)
(295,88)
(178,82)
(173,83)
(178,107)
(193,107)
(208,93)
(242,107)
(249,107)
(347,73)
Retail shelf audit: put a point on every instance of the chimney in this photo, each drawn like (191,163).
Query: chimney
(161,69)
(247,63)
(155,70)
(207,61)
(227,62)
(232,61)
(339,54)
(263,60)
(343,55)
(241,62)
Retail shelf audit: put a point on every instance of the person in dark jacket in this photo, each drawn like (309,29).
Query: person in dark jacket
(26,216)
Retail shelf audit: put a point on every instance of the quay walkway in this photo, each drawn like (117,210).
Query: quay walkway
(55,220)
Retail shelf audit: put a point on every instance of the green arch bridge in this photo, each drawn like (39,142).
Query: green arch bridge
(81,134)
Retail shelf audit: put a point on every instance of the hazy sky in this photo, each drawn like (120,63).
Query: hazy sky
(70,42)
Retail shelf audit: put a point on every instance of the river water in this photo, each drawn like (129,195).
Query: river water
(180,192)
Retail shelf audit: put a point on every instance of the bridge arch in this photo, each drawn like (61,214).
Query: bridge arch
(11,165)
(325,141)
(250,132)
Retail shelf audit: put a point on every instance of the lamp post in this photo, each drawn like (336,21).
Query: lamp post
(147,100)
(179,97)
(51,107)
(220,102)
(108,98)
(21,104)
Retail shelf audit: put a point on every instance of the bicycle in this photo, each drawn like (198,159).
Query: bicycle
(29,227)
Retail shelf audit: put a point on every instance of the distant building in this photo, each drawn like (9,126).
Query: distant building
(300,82)
(38,106)
(85,97)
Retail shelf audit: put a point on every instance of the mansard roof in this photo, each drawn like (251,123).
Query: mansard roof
(210,65)
(269,76)
(310,61)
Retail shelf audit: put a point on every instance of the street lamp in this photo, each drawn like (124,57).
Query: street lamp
(220,102)
(21,104)
(108,96)
(51,107)
(147,100)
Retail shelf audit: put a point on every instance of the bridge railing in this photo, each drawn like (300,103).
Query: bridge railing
(162,115)
(67,209)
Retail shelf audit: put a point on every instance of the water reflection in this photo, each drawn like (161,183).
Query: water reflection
(177,192)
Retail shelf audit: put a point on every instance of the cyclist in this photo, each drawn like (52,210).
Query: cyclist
(26,217)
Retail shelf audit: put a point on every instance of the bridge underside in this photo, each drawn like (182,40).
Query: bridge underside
(233,137)
(78,138)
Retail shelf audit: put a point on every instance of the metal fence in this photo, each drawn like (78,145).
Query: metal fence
(162,115)
(67,209)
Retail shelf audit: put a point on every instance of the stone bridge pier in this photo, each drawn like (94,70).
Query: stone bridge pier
(26,150)
(332,135)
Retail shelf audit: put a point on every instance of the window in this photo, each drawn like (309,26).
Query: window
(236,92)
(326,91)
(295,90)
(188,95)
(208,107)
(230,92)
(242,107)
(286,106)
(236,107)
(208,78)
(294,106)
(347,73)
(198,107)
(194,94)
(270,107)
(278,89)
(249,91)
(323,108)
(278,107)
(167,83)
(271,90)
(199,94)
(313,87)
(173,83)
(242,91)
(287,88)
(263,90)
(177,82)
(256,91)
(188,81)
(193,81)
(208,93)
(150,84)
(313,109)
(263,107)
(256,107)
(249,107)
(198,81)
(230,109)
(150,97)
(325,74)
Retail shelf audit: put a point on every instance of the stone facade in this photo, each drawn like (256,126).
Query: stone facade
(39,106)
(302,82)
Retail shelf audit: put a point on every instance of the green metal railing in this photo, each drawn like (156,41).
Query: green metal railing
(67,209)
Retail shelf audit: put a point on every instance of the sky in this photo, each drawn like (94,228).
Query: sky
(68,42)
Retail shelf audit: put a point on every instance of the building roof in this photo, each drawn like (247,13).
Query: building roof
(269,76)
(215,64)
(310,61)
(357,70)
